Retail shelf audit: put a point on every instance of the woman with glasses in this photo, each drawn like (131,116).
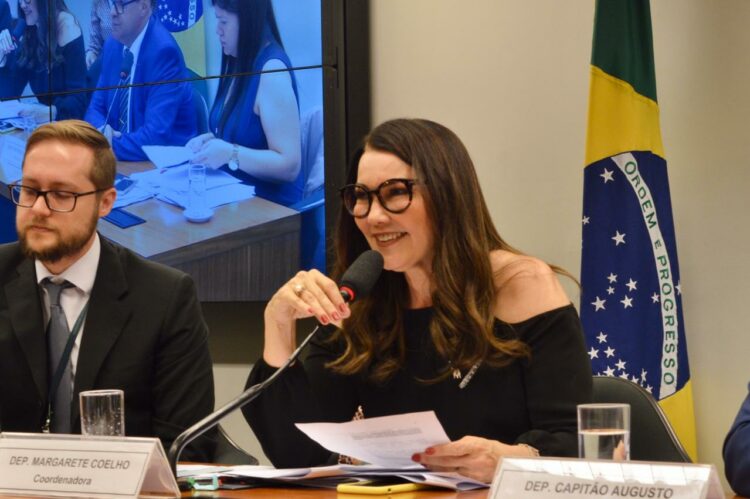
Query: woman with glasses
(254,125)
(49,57)
(459,322)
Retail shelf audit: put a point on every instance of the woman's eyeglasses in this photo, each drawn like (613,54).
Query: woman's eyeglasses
(394,195)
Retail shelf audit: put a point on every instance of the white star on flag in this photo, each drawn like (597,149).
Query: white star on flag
(594,353)
(632,285)
(678,287)
(624,375)
(610,290)
(655,298)
(627,302)
(609,371)
(643,375)
(586,220)
(618,238)
(612,277)
(621,364)
(607,176)
(598,304)
(610,352)
(602,337)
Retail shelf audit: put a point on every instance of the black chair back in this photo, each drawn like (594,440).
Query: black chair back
(651,436)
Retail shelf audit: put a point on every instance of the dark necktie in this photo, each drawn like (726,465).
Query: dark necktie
(124,95)
(57,337)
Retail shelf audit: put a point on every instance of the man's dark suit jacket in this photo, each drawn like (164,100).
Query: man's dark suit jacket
(159,114)
(737,451)
(144,334)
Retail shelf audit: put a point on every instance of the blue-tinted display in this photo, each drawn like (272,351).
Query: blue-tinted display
(178,83)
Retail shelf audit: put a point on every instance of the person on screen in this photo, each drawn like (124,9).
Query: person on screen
(49,57)
(737,451)
(139,115)
(135,325)
(254,122)
(459,322)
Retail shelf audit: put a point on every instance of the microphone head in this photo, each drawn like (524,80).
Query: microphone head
(127,64)
(361,276)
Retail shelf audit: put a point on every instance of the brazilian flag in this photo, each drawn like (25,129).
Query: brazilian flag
(631,299)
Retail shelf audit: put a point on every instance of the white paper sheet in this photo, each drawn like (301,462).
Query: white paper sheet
(162,156)
(329,476)
(388,441)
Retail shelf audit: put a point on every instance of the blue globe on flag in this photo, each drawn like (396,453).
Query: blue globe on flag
(179,15)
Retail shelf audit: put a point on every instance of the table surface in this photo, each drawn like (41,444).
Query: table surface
(166,229)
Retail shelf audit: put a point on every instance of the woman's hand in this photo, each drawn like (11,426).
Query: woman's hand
(474,457)
(196,143)
(307,294)
(213,153)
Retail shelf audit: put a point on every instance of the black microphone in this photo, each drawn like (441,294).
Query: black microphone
(125,67)
(356,283)
(361,275)
(18,31)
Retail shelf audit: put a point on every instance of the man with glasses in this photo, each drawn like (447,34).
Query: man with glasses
(80,313)
(130,114)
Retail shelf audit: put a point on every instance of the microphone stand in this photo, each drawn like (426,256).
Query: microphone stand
(244,398)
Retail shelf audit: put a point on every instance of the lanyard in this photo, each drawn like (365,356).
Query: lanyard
(64,359)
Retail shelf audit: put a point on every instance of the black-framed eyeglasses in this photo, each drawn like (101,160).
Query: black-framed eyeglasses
(394,194)
(60,201)
(119,5)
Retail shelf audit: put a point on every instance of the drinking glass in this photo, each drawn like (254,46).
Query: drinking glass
(197,209)
(103,413)
(604,431)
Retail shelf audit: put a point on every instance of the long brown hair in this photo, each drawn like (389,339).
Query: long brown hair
(39,42)
(463,291)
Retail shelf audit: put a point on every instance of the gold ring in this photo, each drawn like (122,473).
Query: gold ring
(298,289)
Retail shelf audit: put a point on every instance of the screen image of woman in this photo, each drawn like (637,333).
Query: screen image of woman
(459,322)
(47,53)
(254,123)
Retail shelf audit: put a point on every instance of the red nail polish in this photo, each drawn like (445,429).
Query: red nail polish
(416,458)
(429,450)
(335,316)
(324,319)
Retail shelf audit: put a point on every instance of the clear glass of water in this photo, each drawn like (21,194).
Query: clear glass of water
(197,209)
(103,413)
(604,431)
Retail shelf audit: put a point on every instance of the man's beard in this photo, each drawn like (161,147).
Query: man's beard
(64,247)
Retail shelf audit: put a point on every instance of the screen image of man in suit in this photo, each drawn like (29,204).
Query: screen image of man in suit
(142,330)
(134,116)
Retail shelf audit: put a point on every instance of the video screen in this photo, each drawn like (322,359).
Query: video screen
(214,109)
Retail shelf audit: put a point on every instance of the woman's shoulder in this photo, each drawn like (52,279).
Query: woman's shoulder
(525,287)
(67,28)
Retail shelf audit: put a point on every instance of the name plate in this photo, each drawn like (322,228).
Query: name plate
(75,466)
(546,478)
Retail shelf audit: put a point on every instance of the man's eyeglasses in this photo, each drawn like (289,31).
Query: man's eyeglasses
(394,194)
(119,5)
(60,201)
